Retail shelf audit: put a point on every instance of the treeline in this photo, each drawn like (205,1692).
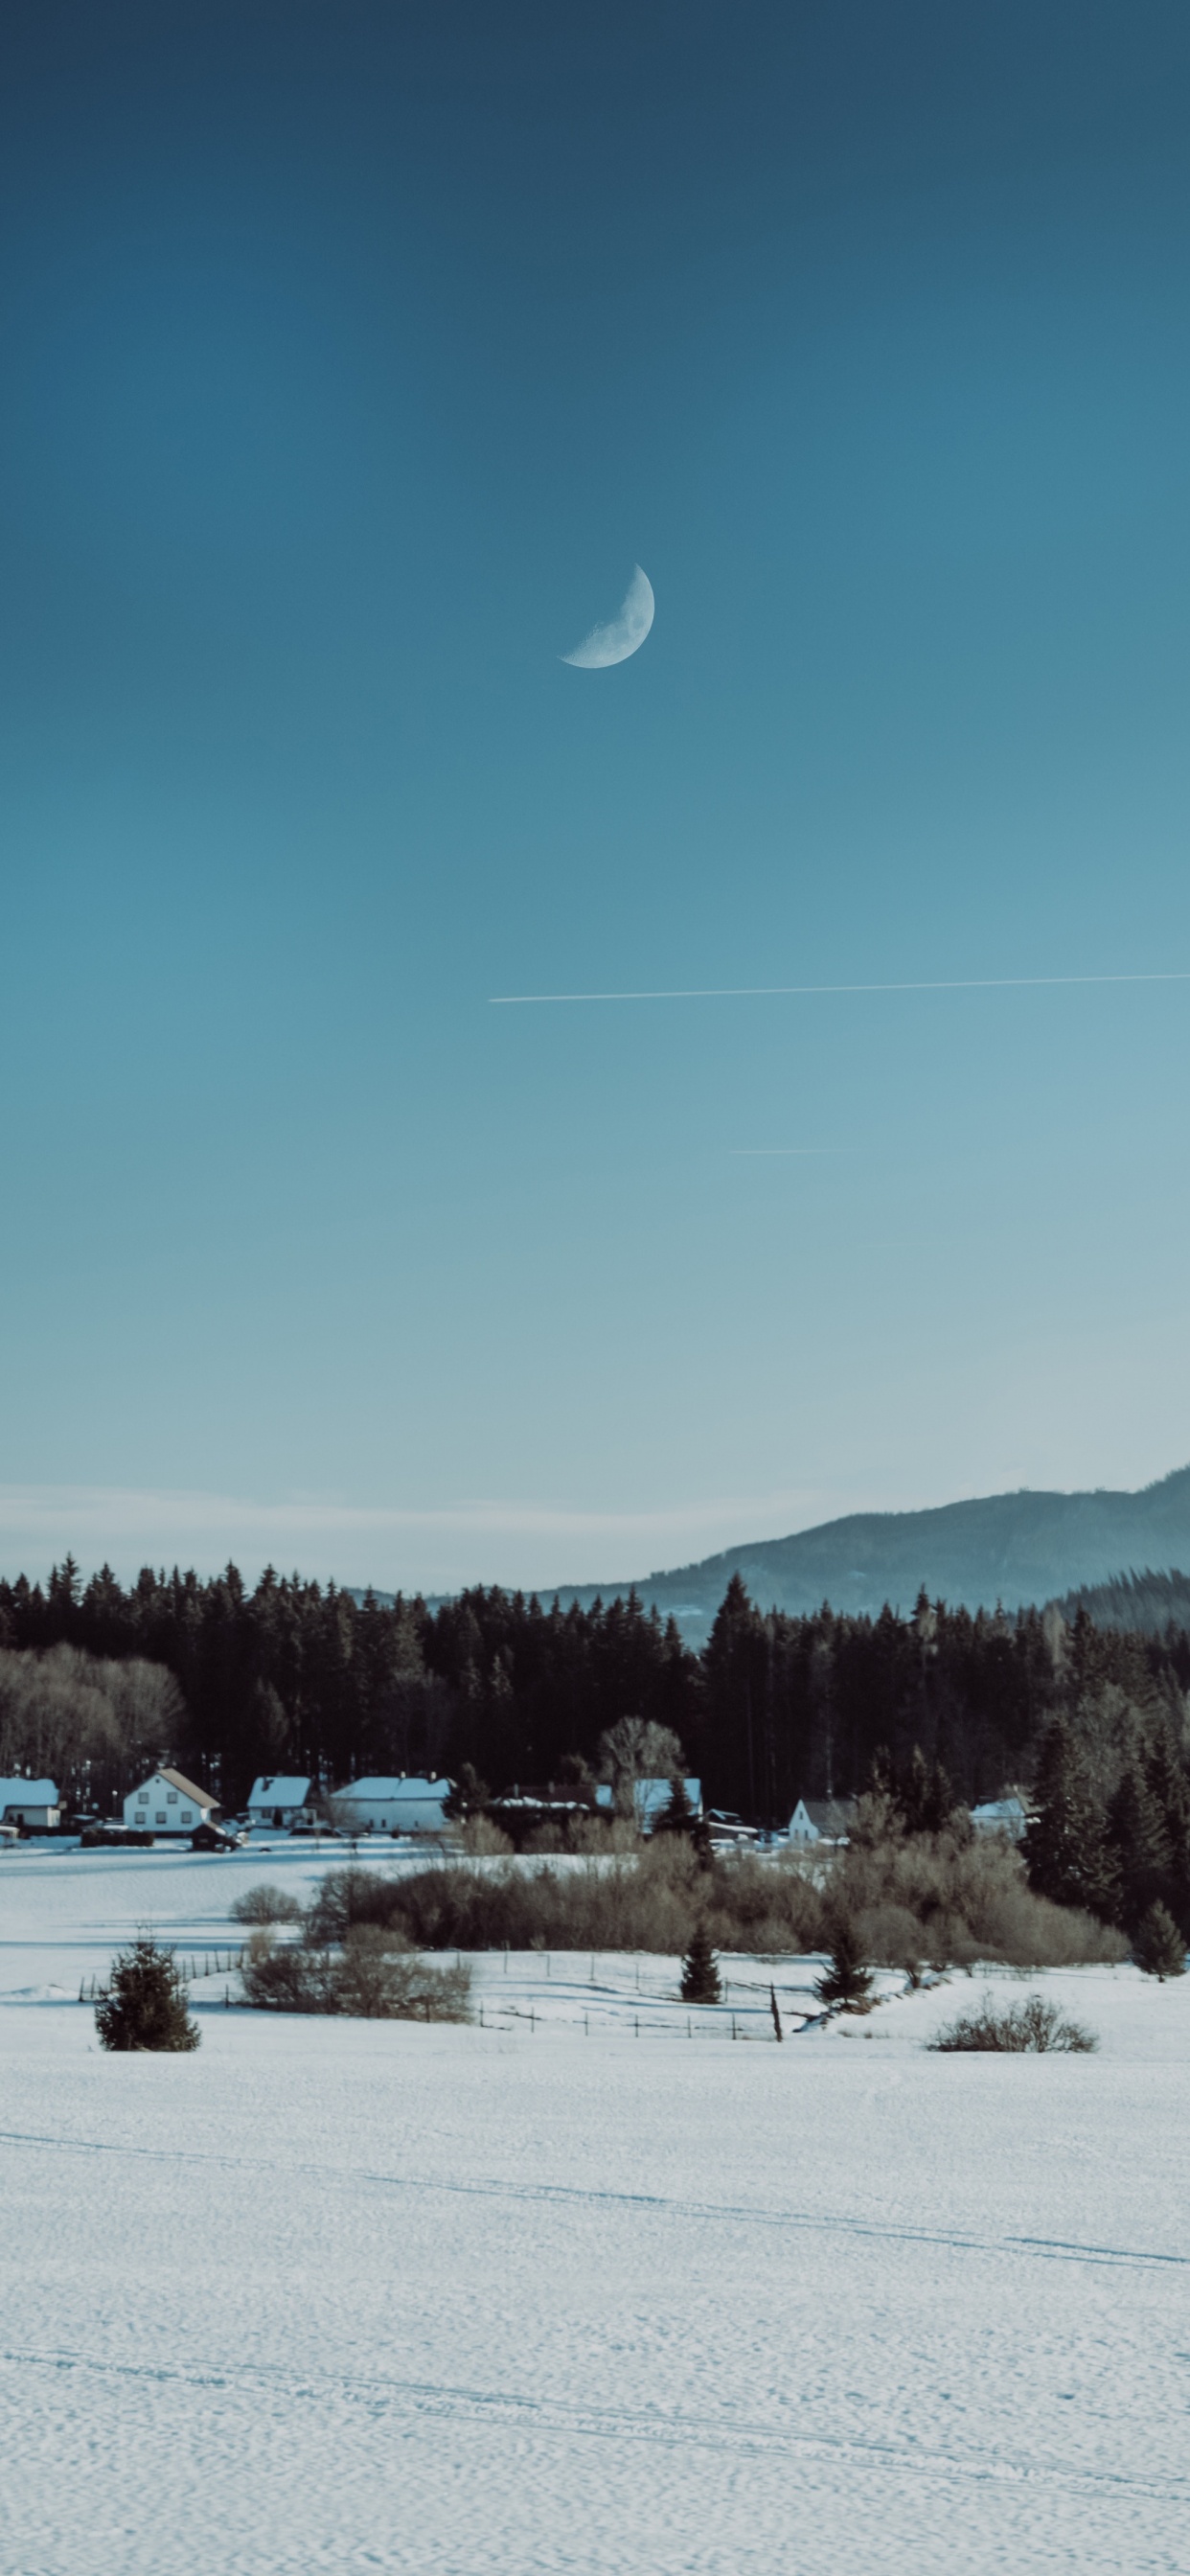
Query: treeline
(1152,1603)
(295,1676)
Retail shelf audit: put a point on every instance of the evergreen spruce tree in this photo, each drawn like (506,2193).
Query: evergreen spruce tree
(846,1981)
(913,1790)
(1135,1835)
(1066,1850)
(144,2003)
(700,1970)
(1157,1945)
(468,1797)
(677,1815)
(1165,1773)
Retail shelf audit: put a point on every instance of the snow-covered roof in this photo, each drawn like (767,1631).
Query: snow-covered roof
(998,1810)
(278,1789)
(401,1787)
(27,1793)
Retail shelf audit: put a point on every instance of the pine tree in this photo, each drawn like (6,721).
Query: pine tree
(144,2003)
(1165,1773)
(913,1793)
(1066,1850)
(677,1815)
(1158,1947)
(924,1795)
(700,1970)
(1136,1837)
(846,1981)
(468,1797)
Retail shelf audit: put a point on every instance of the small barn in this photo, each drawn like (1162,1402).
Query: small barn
(404,1804)
(278,1800)
(168,1803)
(32,1805)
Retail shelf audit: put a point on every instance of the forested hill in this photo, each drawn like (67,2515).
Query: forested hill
(1014,1548)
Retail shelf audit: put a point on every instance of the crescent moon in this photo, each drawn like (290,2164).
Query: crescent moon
(623,634)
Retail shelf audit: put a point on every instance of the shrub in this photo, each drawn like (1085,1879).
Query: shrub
(265,1904)
(760,1905)
(144,2003)
(99,1838)
(289,1978)
(1157,1945)
(483,1840)
(892,1937)
(845,1981)
(969,1899)
(1034,2024)
(373,1975)
(700,1970)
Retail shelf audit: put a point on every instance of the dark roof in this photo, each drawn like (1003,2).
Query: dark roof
(831,1815)
(178,1780)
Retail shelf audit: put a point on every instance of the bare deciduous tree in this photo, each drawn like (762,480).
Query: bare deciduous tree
(85,1721)
(636,1749)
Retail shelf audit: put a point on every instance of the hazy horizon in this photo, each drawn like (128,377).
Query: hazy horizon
(394,1553)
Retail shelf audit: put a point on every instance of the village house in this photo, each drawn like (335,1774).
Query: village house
(168,1803)
(820,1820)
(278,1800)
(398,1805)
(31,1805)
(1002,1816)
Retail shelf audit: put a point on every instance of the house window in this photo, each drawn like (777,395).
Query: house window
(171,1797)
(160,1818)
(187,1818)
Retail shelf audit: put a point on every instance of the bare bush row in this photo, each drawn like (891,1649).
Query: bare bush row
(934,1899)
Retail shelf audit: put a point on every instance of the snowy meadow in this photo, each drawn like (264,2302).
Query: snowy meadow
(591,2285)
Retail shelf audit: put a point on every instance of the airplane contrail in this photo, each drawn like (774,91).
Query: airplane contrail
(778,992)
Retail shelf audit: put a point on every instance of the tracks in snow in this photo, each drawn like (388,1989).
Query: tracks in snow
(552,2418)
(1052,2249)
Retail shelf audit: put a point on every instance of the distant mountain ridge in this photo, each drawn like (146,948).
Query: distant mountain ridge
(1013,1548)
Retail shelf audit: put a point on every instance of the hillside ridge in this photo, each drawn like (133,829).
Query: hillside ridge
(1026,1546)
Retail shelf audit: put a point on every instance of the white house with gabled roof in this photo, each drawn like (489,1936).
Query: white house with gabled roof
(278,1799)
(820,1820)
(168,1803)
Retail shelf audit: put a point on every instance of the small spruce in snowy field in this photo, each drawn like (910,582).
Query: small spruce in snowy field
(1157,1944)
(700,1970)
(144,2003)
(845,1981)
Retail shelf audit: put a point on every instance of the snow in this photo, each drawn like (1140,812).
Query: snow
(551,2295)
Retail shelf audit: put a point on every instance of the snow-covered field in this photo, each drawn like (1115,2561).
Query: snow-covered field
(553,2295)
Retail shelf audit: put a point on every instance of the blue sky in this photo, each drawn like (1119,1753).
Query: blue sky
(353,357)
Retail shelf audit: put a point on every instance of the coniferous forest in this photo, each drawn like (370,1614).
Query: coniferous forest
(98,1681)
